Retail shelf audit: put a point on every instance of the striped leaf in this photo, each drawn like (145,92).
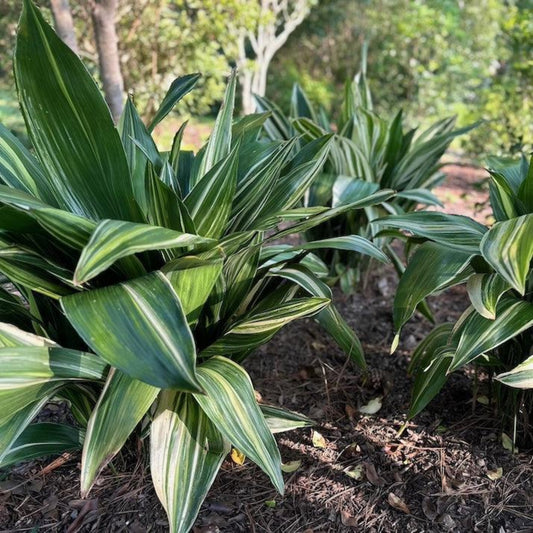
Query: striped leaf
(121,406)
(177,90)
(23,366)
(114,239)
(33,272)
(508,248)
(259,327)
(216,188)
(20,170)
(218,146)
(429,380)
(138,327)
(420,196)
(520,377)
(280,420)
(230,404)
(329,318)
(351,243)
(165,208)
(485,291)
(70,125)
(321,215)
(42,439)
(476,334)
(303,169)
(15,419)
(139,148)
(455,231)
(186,451)
(347,190)
(193,280)
(70,229)
(14,310)
(255,186)
(432,268)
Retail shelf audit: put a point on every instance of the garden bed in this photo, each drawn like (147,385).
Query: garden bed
(355,473)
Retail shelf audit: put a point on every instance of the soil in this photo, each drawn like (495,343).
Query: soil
(356,472)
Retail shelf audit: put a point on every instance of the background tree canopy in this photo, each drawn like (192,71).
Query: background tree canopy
(432,57)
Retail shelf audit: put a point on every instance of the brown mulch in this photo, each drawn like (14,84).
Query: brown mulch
(366,477)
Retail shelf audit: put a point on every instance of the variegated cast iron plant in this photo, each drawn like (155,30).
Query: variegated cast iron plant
(134,282)
(496,331)
(368,153)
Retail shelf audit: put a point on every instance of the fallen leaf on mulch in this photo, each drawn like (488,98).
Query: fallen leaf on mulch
(495,474)
(237,457)
(347,519)
(318,440)
(291,466)
(372,475)
(429,507)
(397,503)
(507,443)
(350,411)
(372,407)
(355,473)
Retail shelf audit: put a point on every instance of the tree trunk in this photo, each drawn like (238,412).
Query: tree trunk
(103,14)
(63,23)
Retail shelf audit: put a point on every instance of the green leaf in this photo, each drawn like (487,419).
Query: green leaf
(114,239)
(485,291)
(420,196)
(14,310)
(219,144)
(17,413)
(33,272)
(476,335)
(193,280)
(520,376)
(186,451)
(329,318)
(24,366)
(121,406)
(303,169)
(255,186)
(432,268)
(280,420)
(177,90)
(322,215)
(456,231)
(42,439)
(70,125)
(138,327)
(259,327)
(209,202)
(139,148)
(230,404)
(351,243)
(508,248)
(20,170)
(429,381)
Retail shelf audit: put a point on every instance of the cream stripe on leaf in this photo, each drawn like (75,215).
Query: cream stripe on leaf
(508,248)
(140,328)
(186,451)
(230,403)
(121,406)
(115,239)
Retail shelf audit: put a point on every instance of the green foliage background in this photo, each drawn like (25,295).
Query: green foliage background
(432,57)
